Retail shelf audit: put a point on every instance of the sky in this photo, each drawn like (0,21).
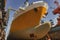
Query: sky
(17,3)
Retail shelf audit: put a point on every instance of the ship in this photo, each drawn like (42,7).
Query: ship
(26,21)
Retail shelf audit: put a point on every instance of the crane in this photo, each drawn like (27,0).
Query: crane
(57,11)
(3,19)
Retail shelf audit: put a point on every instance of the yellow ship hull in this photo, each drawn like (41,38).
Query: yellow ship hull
(28,19)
